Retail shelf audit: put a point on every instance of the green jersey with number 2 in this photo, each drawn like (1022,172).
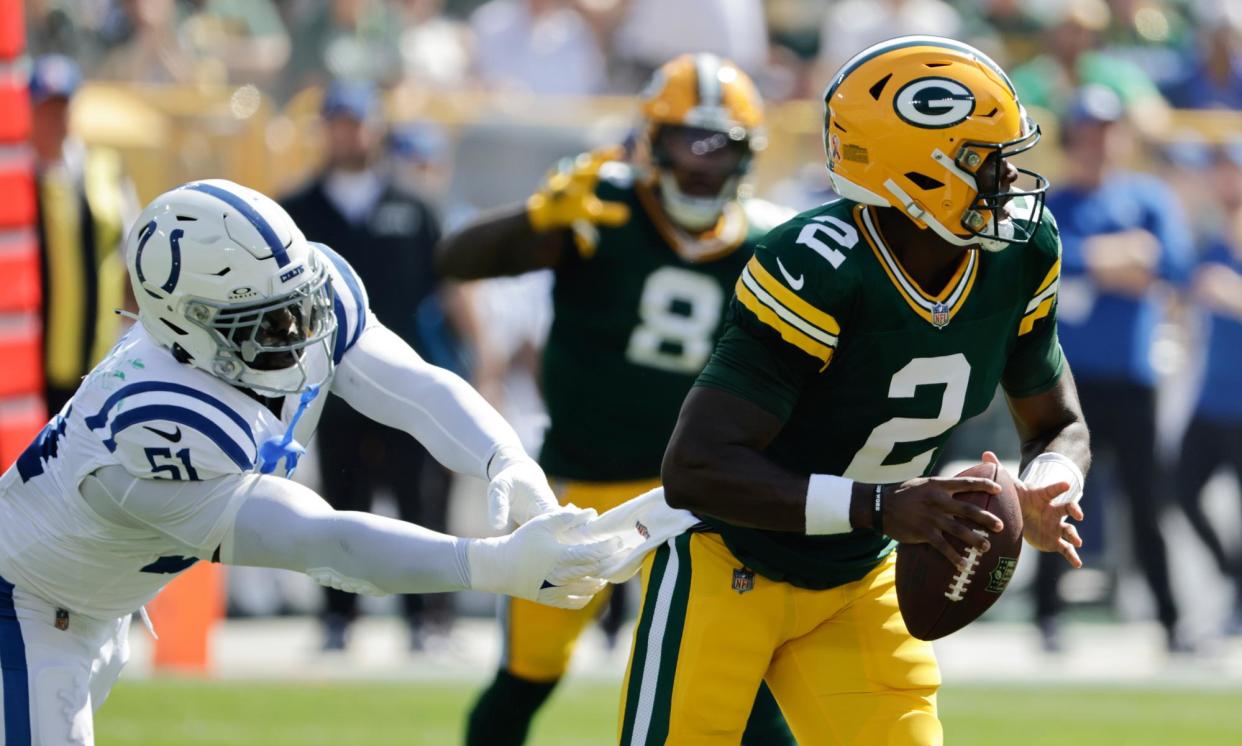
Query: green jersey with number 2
(869,373)
(634,321)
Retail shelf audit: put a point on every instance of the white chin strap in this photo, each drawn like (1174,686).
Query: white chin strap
(694,214)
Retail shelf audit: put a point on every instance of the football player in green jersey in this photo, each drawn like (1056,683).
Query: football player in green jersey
(645,250)
(861,334)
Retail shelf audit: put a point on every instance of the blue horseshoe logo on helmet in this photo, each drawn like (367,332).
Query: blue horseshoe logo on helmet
(174,240)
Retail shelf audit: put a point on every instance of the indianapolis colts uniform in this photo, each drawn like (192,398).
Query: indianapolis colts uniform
(69,577)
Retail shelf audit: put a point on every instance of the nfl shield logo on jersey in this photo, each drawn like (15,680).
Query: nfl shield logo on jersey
(940,315)
(743,580)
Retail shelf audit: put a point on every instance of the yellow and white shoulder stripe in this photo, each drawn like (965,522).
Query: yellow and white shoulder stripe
(937,310)
(1041,305)
(797,321)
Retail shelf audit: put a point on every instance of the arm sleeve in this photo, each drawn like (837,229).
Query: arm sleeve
(266,521)
(285,525)
(384,379)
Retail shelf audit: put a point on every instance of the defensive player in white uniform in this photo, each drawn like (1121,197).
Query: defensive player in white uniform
(169,454)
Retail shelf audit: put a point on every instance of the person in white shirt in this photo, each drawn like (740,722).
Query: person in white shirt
(169,452)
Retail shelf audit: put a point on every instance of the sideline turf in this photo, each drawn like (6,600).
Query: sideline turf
(197,713)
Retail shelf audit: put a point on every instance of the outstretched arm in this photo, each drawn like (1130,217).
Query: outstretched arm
(384,379)
(267,521)
(536,235)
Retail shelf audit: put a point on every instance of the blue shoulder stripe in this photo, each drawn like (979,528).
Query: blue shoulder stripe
(181,416)
(98,419)
(246,209)
(354,285)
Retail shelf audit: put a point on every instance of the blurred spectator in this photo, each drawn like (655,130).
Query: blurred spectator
(85,205)
(1123,235)
(1007,29)
(68,27)
(655,31)
(245,38)
(1211,71)
(435,50)
(387,234)
(341,39)
(541,46)
(1214,437)
(153,51)
(1073,59)
(851,26)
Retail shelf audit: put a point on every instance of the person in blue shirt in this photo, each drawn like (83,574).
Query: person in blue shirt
(1124,238)
(1213,438)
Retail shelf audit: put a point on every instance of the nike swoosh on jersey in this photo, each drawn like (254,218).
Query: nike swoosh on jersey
(173,437)
(795,284)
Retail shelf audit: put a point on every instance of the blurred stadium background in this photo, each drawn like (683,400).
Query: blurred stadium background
(480,99)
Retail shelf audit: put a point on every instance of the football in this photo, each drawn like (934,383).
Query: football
(936,599)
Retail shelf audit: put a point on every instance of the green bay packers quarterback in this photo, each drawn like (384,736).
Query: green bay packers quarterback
(645,247)
(861,334)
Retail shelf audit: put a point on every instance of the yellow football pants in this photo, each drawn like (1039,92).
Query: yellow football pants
(539,640)
(840,662)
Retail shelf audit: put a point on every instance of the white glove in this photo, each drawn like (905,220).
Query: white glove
(641,525)
(537,562)
(518,490)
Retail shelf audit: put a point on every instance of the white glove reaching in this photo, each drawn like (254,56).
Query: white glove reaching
(538,563)
(518,490)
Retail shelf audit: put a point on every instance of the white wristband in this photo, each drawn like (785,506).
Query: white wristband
(828,505)
(1051,467)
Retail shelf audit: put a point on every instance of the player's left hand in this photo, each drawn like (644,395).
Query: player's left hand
(518,490)
(1043,517)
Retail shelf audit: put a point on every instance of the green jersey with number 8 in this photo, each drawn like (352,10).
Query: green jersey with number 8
(869,373)
(635,318)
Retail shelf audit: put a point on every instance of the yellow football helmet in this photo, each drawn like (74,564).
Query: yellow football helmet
(702,124)
(912,122)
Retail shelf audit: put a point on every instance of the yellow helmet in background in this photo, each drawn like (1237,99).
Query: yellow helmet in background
(912,123)
(702,124)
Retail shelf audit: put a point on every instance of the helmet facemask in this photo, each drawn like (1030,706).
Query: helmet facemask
(262,346)
(1019,206)
(699,170)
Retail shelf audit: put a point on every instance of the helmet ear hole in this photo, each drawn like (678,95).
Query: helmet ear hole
(923,181)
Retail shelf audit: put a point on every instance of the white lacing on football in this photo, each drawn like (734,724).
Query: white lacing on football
(961,581)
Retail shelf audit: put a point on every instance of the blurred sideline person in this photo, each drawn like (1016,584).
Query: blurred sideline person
(85,204)
(1213,438)
(388,234)
(1124,236)
(173,450)
(861,334)
(645,251)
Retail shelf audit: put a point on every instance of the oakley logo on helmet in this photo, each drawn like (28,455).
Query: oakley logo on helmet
(934,103)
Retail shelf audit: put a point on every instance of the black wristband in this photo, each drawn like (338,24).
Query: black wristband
(877,510)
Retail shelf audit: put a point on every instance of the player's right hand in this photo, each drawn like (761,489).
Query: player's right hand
(539,562)
(567,199)
(924,511)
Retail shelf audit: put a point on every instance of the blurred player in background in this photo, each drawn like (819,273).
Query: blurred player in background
(862,333)
(168,454)
(645,251)
(1125,240)
(85,204)
(388,235)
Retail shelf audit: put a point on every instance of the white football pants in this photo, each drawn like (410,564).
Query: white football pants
(53,680)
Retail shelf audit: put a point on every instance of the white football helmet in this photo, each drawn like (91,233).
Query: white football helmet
(227,282)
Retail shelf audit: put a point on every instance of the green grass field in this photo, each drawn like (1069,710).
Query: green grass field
(194,713)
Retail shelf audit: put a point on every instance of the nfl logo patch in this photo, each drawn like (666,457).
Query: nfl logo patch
(642,530)
(743,580)
(940,315)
